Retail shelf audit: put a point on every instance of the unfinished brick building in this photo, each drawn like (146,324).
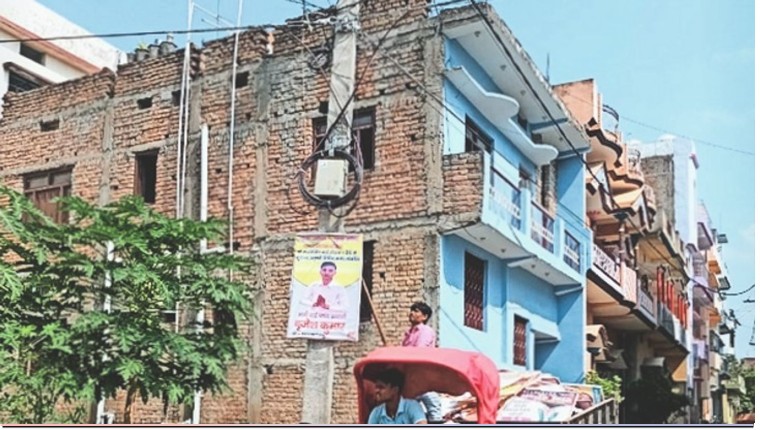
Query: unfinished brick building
(112,134)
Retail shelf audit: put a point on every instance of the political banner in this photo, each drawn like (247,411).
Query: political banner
(326,286)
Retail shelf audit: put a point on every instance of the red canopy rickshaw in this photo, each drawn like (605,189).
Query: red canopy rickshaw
(443,370)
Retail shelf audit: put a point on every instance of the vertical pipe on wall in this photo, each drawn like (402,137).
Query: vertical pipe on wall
(101,408)
(182,102)
(199,317)
(231,148)
(204,180)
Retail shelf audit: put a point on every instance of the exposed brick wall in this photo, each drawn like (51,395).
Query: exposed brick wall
(70,94)
(102,126)
(658,173)
(462,182)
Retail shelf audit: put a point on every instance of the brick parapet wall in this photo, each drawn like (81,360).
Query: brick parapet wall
(463,180)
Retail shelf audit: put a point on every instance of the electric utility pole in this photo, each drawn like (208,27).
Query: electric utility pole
(320,360)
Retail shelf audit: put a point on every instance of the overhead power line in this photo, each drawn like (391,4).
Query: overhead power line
(741,292)
(505,50)
(662,130)
(131,34)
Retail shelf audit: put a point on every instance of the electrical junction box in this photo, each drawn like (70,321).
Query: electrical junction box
(331,178)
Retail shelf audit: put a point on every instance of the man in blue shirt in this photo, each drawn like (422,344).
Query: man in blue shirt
(392,408)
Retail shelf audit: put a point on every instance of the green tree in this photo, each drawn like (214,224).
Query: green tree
(745,375)
(651,400)
(58,342)
(611,386)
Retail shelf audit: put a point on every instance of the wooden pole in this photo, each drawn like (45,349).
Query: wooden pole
(374,313)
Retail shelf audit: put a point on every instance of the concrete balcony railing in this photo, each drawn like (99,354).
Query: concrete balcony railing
(665,319)
(607,264)
(505,200)
(671,324)
(619,276)
(483,187)
(645,303)
(571,252)
(629,281)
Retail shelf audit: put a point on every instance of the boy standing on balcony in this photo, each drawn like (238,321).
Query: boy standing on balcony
(422,335)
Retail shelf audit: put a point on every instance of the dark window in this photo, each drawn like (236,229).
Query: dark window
(145,176)
(363,130)
(367,270)
(323,106)
(474,279)
(176,95)
(50,125)
(42,188)
(18,83)
(241,79)
(476,139)
(145,103)
(520,341)
(169,315)
(32,54)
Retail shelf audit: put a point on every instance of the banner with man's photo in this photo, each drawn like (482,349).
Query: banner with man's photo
(326,287)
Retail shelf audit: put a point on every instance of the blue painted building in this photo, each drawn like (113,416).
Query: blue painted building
(512,281)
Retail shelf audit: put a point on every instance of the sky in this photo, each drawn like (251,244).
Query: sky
(683,67)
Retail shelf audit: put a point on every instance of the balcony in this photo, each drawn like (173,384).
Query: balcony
(664,242)
(666,320)
(628,280)
(505,200)
(645,303)
(480,190)
(610,269)
(670,333)
(620,277)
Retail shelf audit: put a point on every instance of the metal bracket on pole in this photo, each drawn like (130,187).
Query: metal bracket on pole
(347,24)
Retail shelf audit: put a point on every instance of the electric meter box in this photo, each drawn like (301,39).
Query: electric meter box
(331,178)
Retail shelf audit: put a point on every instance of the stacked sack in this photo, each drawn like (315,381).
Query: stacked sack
(527,397)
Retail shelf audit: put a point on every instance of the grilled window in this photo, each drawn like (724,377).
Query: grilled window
(363,130)
(520,341)
(476,139)
(145,175)
(474,280)
(42,188)
(365,313)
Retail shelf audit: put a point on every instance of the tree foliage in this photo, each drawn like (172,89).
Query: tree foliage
(59,343)
(611,386)
(746,376)
(651,400)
